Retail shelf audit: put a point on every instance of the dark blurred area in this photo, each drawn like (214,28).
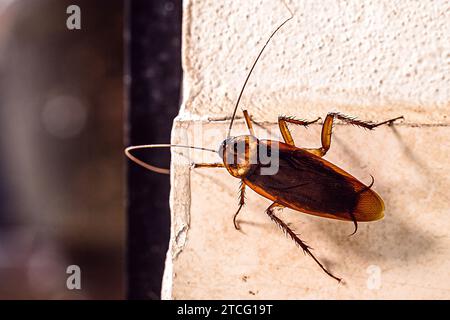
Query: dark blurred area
(62,185)
(154,81)
(64,112)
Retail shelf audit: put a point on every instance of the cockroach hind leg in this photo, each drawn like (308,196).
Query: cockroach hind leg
(361,123)
(391,122)
(289,232)
(285,132)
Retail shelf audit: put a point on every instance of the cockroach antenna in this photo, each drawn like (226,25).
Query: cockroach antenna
(254,64)
(151,146)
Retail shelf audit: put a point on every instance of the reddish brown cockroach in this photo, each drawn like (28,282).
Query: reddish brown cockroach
(303,181)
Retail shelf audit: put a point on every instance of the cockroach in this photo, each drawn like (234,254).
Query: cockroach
(304,181)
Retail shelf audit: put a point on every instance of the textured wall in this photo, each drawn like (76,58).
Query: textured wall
(371,59)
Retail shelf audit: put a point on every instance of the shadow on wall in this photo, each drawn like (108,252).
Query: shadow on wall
(398,239)
(61,164)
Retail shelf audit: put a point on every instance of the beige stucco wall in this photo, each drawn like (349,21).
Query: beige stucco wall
(370,59)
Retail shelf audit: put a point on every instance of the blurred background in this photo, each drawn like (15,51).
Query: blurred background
(63,112)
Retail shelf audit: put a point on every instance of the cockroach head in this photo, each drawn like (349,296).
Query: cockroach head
(239,155)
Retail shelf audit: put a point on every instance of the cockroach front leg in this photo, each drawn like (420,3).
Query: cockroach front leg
(289,232)
(208,165)
(328,127)
(241,204)
(248,121)
(282,124)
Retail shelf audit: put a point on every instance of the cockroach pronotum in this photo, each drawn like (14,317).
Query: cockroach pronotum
(303,181)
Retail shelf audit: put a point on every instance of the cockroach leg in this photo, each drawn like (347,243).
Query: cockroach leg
(208,165)
(328,127)
(259,125)
(282,124)
(306,249)
(241,204)
(248,121)
(360,123)
(226,118)
(236,224)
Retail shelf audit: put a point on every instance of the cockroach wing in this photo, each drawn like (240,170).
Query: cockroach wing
(310,184)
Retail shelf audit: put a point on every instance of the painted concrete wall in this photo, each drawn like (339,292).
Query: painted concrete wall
(370,59)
